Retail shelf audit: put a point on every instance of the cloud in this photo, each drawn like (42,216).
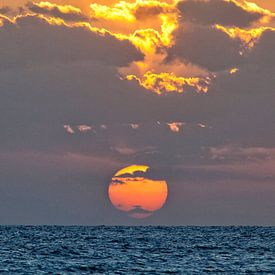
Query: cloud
(175,126)
(147,10)
(219,42)
(69,129)
(54,88)
(138,212)
(205,46)
(74,81)
(211,12)
(124,150)
(84,128)
(131,11)
(137,209)
(263,53)
(44,42)
(170,83)
(65,12)
(5,10)
(68,75)
(230,152)
(60,75)
(254,75)
(117,181)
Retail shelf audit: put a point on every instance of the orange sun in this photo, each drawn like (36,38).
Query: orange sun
(132,192)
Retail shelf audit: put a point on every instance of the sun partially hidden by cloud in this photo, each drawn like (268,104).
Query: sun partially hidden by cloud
(131,191)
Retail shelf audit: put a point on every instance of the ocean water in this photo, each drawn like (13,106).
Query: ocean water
(137,250)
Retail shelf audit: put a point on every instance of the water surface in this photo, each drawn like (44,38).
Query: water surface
(137,250)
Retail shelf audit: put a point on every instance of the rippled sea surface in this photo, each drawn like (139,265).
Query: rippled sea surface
(137,250)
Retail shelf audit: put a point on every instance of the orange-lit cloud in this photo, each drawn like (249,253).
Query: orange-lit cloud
(268,5)
(147,24)
(69,129)
(154,25)
(233,70)
(66,12)
(175,126)
(248,36)
(168,82)
(131,11)
(141,20)
(267,15)
(81,128)
(84,128)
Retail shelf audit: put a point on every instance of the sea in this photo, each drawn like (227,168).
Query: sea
(136,250)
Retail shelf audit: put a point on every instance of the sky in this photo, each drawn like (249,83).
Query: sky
(185,88)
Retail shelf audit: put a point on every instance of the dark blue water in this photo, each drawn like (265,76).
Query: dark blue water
(137,250)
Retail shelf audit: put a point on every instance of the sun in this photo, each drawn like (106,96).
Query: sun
(133,191)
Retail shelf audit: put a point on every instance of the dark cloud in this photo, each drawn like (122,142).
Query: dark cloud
(146,12)
(262,55)
(254,78)
(247,99)
(5,10)
(198,41)
(207,47)
(41,42)
(221,166)
(137,209)
(116,181)
(55,11)
(210,12)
